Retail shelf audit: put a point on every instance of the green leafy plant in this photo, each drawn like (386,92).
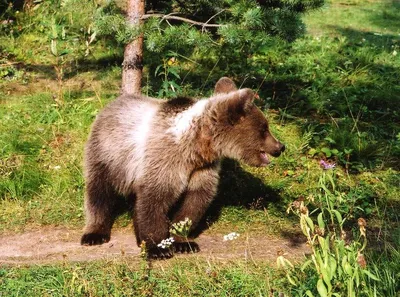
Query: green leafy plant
(169,71)
(337,260)
(347,145)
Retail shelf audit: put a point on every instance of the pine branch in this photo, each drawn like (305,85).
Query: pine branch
(206,23)
(178,18)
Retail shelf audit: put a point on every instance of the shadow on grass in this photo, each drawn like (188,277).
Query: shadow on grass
(238,188)
(241,189)
(74,67)
(388,16)
(295,238)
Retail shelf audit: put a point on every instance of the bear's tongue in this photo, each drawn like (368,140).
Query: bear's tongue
(264,158)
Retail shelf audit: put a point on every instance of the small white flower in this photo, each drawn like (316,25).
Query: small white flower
(394,53)
(57,167)
(181,228)
(231,236)
(166,243)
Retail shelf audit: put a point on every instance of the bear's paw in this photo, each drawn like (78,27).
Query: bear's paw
(94,238)
(186,247)
(156,253)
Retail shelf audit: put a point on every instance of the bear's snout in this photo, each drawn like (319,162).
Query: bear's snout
(280,149)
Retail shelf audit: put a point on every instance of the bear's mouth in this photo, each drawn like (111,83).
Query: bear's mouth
(264,158)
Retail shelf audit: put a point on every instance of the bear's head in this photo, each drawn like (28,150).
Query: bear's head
(243,130)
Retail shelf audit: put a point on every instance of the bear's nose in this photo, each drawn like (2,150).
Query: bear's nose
(280,148)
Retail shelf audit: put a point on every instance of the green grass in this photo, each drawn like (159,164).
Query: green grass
(117,278)
(177,277)
(41,145)
(364,16)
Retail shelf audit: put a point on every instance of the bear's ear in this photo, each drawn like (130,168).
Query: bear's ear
(224,86)
(239,104)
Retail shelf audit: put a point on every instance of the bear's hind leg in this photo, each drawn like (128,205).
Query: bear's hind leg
(200,193)
(100,209)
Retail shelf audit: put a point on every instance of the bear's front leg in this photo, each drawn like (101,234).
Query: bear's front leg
(200,193)
(151,222)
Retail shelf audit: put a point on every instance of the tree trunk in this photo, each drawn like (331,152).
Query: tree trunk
(133,55)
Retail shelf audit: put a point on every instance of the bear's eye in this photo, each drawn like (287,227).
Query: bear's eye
(264,130)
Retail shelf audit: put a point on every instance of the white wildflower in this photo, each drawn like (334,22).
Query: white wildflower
(231,236)
(394,53)
(181,228)
(165,243)
(57,167)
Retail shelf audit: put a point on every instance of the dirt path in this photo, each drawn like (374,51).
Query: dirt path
(52,245)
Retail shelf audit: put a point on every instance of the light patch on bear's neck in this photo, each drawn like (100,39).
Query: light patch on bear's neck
(184,121)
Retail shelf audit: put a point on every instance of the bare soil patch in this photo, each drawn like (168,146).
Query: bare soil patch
(59,244)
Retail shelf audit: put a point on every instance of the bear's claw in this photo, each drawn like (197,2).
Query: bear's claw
(94,238)
(159,254)
(186,247)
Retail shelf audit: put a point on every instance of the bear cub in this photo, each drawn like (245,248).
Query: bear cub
(165,155)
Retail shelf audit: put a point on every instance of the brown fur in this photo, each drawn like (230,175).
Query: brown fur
(165,152)
(224,85)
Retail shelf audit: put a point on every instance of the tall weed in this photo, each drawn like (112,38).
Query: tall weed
(338,264)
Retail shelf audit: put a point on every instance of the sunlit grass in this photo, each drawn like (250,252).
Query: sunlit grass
(177,277)
(379,17)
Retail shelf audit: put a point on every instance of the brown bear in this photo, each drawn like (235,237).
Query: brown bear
(161,152)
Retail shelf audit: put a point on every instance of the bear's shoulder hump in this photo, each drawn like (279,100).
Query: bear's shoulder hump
(178,104)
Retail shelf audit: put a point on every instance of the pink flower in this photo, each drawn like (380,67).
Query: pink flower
(325,165)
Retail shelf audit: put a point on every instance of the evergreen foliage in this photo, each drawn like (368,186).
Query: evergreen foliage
(240,21)
(244,28)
